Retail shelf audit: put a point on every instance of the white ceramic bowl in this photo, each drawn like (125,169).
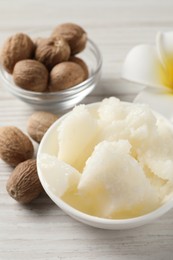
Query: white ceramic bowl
(48,145)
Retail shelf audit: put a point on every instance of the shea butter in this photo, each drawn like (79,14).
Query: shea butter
(112,160)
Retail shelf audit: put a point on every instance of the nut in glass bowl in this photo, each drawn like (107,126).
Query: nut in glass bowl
(62,99)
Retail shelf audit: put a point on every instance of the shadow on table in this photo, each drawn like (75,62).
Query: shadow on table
(41,205)
(152,241)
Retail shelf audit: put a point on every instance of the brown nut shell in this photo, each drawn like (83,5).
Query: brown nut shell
(38,124)
(52,51)
(31,75)
(82,64)
(23,184)
(73,34)
(16,48)
(38,40)
(65,75)
(15,146)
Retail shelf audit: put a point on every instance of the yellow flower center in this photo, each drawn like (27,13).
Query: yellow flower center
(166,74)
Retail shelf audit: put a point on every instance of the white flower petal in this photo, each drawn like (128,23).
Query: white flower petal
(143,65)
(164,43)
(158,100)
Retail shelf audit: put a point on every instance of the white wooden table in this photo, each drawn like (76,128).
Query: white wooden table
(41,230)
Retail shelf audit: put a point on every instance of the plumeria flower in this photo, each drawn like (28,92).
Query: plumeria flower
(152,67)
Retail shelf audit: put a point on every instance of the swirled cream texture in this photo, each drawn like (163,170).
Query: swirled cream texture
(113,160)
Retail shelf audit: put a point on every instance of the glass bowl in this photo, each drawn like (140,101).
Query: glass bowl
(49,145)
(64,99)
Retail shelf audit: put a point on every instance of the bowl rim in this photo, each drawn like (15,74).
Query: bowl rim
(139,220)
(15,88)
